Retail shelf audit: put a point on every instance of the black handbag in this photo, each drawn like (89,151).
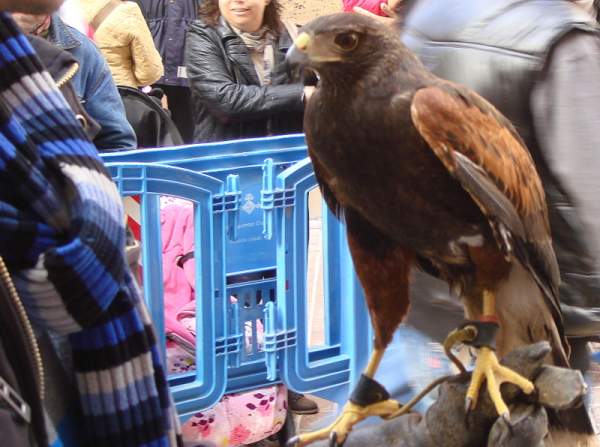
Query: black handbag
(151,123)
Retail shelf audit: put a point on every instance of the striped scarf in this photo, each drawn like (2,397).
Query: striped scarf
(62,237)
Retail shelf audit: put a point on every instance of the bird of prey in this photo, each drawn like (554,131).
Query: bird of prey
(427,173)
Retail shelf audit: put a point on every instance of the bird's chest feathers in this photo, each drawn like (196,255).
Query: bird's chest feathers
(358,133)
(374,161)
(365,141)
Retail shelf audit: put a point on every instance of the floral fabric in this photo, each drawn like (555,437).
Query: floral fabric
(238,419)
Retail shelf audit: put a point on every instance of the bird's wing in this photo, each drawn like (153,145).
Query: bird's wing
(483,151)
(324,180)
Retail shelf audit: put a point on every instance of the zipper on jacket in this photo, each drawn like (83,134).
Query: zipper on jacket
(35,350)
(70,74)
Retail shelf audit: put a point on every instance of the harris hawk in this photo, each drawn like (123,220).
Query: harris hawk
(427,173)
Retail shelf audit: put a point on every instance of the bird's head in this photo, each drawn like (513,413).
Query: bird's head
(337,44)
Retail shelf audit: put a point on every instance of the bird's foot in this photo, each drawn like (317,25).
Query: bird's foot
(369,398)
(489,369)
(351,415)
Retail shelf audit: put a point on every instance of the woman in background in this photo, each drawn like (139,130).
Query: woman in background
(235,63)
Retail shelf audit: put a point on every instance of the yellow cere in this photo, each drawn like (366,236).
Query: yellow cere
(302,41)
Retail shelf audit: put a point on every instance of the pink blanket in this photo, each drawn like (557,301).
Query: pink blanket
(370,5)
(177,232)
(238,419)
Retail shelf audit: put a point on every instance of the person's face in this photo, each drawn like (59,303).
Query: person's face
(30,6)
(29,23)
(245,15)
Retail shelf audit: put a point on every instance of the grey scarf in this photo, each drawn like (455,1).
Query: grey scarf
(259,43)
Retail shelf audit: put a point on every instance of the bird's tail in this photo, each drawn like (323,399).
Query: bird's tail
(525,316)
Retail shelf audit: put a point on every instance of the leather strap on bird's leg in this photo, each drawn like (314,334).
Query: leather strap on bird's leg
(484,334)
(472,333)
(368,392)
(486,327)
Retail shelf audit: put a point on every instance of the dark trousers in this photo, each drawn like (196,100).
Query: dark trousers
(180,106)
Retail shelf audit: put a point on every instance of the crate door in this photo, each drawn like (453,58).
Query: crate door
(324,336)
(148,182)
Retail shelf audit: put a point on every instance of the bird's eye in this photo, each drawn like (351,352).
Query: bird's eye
(346,41)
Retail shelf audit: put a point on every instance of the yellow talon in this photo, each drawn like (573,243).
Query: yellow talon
(487,367)
(351,415)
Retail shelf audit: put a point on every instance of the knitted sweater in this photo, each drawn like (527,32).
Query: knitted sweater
(62,237)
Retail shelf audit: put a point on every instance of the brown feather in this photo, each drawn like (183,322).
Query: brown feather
(452,119)
(457,122)
(383,270)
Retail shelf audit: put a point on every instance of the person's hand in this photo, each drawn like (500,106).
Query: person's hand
(308,91)
(387,8)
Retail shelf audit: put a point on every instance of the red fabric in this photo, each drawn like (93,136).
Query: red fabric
(369,5)
(132,210)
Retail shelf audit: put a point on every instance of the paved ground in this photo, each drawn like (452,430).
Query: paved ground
(301,11)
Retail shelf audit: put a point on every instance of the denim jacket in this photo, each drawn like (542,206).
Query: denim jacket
(95,87)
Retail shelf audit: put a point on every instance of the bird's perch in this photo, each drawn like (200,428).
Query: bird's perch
(446,424)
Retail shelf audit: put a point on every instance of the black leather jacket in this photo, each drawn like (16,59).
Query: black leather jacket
(229,102)
(498,48)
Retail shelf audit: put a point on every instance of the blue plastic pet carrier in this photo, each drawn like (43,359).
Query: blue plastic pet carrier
(251,241)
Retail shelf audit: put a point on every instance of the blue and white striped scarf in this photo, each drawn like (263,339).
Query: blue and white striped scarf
(62,237)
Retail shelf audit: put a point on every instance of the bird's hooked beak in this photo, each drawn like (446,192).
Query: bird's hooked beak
(297,59)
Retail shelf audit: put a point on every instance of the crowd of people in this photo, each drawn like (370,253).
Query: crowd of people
(151,73)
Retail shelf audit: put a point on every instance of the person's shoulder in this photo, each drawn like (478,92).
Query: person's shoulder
(78,35)
(85,43)
(92,63)
(288,31)
(133,6)
(577,44)
(130,9)
(199,26)
(130,6)
(200,29)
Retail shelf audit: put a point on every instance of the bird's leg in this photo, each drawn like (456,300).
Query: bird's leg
(369,398)
(482,334)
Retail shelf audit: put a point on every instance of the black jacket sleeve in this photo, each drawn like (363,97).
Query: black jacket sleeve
(218,90)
